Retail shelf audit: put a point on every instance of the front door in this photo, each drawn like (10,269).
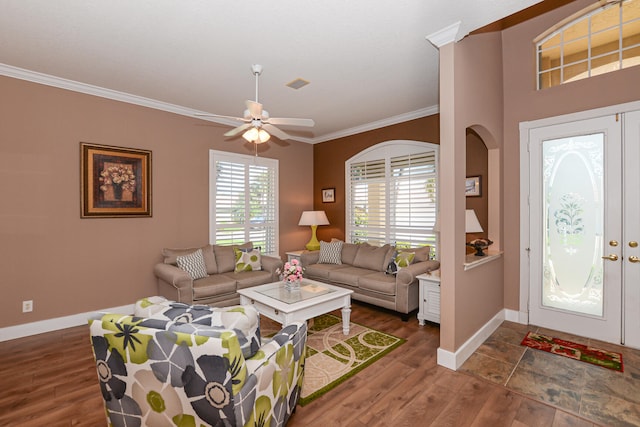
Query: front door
(576,240)
(631,228)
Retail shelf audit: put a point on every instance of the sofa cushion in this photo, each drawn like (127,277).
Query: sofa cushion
(378,282)
(372,257)
(248,279)
(321,271)
(330,252)
(422,253)
(193,264)
(247,260)
(214,285)
(349,252)
(226,257)
(170,256)
(348,276)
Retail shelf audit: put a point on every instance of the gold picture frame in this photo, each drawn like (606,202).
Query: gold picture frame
(115,182)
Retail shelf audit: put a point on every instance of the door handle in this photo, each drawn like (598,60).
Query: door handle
(634,259)
(611,257)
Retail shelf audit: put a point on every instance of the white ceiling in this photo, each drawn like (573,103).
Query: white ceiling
(368,61)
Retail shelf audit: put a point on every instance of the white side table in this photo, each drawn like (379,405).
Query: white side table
(429,308)
(291,255)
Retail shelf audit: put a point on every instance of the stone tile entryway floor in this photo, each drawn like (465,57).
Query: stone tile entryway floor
(600,395)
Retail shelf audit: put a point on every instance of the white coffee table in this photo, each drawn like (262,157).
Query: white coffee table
(313,299)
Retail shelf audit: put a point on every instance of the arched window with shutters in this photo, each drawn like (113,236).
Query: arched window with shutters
(392,194)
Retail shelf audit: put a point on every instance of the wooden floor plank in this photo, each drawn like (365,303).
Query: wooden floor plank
(50,380)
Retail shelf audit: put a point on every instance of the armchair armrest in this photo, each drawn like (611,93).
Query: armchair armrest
(309,258)
(407,275)
(295,333)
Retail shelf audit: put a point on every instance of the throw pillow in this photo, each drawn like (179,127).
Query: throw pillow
(422,253)
(403,259)
(193,264)
(171,254)
(330,253)
(247,260)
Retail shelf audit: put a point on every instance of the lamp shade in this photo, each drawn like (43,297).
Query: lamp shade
(472,225)
(257,136)
(313,218)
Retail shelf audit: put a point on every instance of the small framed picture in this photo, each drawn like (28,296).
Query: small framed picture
(328,195)
(472,186)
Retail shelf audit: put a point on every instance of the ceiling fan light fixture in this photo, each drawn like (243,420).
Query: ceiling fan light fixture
(257,136)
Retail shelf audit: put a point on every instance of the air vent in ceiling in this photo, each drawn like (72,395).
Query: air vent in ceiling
(297,83)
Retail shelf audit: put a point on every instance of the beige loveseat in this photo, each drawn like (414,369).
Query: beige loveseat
(219,277)
(363,269)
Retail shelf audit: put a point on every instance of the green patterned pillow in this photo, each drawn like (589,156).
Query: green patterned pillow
(403,259)
(248,260)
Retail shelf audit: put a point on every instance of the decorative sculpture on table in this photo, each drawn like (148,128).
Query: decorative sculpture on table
(472,225)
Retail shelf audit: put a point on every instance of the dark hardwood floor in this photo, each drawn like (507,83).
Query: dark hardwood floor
(50,380)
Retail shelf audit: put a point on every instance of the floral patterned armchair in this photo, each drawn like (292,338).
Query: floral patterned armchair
(157,372)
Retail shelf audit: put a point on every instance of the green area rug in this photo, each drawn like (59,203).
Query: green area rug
(595,356)
(333,357)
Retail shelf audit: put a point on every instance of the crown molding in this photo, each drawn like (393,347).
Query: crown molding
(45,79)
(445,36)
(393,120)
(58,82)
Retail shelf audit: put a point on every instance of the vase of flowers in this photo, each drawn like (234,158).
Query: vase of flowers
(291,274)
(118,178)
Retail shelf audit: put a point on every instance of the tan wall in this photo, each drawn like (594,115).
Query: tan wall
(470,97)
(523,103)
(68,265)
(329,161)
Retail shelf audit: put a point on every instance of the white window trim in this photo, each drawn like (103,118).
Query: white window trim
(585,14)
(386,150)
(216,155)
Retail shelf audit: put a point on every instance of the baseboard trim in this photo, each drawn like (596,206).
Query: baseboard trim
(521,317)
(49,325)
(453,360)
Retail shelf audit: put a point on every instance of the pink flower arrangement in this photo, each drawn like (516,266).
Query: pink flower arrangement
(291,272)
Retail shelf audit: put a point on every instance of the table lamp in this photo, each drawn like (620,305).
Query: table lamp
(472,225)
(313,219)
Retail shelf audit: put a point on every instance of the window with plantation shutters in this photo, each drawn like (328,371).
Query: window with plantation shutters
(243,199)
(392,194)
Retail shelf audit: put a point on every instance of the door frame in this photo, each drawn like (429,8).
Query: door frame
(525,242)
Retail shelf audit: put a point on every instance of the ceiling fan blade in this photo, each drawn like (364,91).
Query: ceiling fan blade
(290,121)
(235,131)
(275,131)
(255,109)
(218,116)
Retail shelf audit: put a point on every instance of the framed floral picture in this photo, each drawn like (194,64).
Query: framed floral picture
(114,181)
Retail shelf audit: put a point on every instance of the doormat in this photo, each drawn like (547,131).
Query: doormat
(584,353)
(333,357)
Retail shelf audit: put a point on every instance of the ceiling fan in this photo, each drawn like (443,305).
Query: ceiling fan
(258,126)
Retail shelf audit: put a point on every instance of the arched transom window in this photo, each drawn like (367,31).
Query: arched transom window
(592,42)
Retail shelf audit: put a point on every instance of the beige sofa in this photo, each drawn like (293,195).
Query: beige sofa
(363,269)
(221,280)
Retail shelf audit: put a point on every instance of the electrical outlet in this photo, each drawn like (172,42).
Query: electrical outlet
(27,306)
